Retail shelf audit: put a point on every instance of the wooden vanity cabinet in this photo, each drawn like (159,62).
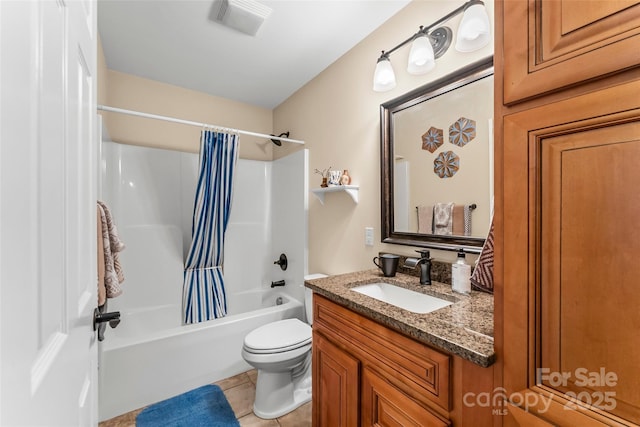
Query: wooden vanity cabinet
(365,374)
(335,379)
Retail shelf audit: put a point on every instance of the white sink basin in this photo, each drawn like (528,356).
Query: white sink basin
(401,297)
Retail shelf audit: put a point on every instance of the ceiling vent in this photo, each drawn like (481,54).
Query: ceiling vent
(245,16)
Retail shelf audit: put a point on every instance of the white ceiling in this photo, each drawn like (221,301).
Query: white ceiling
(173,41)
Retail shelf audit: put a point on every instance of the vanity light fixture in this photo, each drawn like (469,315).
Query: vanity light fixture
(473,32)
(427,46)
(384,78)
(421,56)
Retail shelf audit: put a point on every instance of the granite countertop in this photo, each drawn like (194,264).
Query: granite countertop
(464,328)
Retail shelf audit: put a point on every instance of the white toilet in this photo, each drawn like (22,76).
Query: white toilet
(281,352)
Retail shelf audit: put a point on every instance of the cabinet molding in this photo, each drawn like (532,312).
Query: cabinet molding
(385,405)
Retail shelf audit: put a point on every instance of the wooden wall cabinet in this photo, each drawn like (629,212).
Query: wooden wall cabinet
(365,374)
(571,179)
(555,44)
(567,175)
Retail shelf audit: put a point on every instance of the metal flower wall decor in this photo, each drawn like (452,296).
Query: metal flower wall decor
(432,139)
(446,164)
(462,131)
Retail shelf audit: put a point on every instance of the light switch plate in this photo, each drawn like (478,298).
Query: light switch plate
(368,236)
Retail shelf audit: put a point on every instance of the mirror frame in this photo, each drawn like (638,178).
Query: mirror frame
(453,81)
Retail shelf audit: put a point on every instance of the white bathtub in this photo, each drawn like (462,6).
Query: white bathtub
(150,356)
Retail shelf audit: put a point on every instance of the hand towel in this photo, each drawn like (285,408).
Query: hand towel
(458,220)
(443,218)
(467,220)
(102,290)
(114,275)
(425,219)
(482,277)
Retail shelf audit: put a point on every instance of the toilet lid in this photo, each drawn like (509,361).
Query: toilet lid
(279,336)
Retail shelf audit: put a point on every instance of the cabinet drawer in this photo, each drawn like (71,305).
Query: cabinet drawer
(384,405)
(418,370)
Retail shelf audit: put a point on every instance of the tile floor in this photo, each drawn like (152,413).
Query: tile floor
(240,391)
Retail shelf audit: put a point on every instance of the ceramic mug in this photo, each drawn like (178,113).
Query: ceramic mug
(388,263)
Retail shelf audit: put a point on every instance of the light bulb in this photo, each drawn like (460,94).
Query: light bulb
(421,58)
(473,32)
(384,78)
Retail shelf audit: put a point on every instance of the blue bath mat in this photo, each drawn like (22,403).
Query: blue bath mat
(204,406)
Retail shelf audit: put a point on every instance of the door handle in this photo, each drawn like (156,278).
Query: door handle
(112,317)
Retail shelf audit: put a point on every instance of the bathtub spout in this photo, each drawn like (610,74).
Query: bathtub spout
(278,283)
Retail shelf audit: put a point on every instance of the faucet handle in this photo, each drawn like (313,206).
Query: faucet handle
(282,262)
(424,253)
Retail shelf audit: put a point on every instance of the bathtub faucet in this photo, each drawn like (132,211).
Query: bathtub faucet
(278,283)
(282,262)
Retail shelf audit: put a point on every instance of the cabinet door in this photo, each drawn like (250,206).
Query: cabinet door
(571,250)
(335,385)
(386,406)
(553,44)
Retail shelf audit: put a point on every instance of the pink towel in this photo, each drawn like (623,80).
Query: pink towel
(425,219)
(111,244)
(102,291)
(458,220)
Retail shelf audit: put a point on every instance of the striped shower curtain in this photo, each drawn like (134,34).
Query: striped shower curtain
(203,294)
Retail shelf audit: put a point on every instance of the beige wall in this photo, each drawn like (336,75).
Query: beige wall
(337,114)
(139,94)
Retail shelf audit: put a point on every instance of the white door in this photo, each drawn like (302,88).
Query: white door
(48,352)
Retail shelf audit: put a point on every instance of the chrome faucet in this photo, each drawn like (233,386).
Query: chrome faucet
(425,266)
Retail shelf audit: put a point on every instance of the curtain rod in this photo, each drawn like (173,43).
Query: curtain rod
(190,123)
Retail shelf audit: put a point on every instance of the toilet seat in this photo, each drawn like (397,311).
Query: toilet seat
(278,337)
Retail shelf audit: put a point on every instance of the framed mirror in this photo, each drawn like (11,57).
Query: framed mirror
(436,157)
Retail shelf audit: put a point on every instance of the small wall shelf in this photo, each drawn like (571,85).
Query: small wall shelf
(351,190)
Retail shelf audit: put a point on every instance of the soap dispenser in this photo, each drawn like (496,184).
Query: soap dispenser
(461,274)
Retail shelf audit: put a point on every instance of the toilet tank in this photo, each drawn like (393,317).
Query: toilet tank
(308,296)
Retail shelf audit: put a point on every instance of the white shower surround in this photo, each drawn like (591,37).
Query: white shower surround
(150,356)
